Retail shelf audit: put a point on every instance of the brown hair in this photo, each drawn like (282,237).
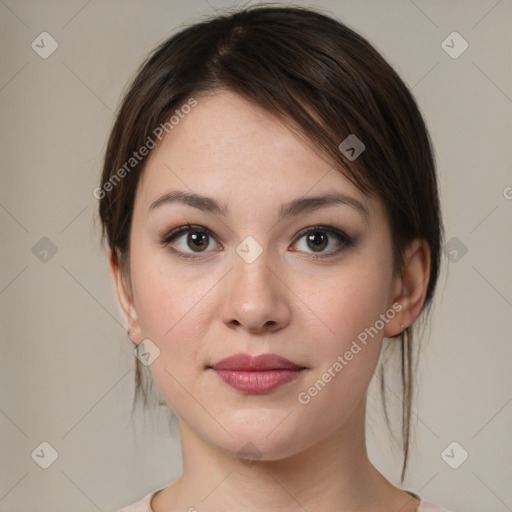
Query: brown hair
(326,82)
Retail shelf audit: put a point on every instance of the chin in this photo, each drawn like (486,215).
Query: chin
(265,441)
(258,448)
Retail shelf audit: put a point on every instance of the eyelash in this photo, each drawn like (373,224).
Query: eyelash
(346,240)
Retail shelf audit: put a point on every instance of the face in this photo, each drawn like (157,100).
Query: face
(258,268)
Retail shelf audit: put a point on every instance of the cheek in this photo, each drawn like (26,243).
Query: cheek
(163,295)
(348,339)
(168,312)
(346,305)
(166,305)
(345,361)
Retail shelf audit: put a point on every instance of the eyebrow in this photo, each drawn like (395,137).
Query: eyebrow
(295,207)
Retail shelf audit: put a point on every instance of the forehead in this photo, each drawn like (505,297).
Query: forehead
(230,148)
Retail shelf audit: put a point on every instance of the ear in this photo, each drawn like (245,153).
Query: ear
(122,287)
(410,288)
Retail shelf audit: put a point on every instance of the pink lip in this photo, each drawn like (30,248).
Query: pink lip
(256,374)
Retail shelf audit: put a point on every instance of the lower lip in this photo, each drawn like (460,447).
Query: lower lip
(257,382)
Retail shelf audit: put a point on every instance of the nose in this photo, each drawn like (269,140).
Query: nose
(255,298)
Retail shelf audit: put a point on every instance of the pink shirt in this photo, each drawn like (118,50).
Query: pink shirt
(144,505)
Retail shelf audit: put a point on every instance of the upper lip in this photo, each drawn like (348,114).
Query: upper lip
(261,362)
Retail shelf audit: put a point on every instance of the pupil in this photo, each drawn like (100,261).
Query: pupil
(318,240)
(195,237)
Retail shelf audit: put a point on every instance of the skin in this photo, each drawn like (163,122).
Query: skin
(198,311)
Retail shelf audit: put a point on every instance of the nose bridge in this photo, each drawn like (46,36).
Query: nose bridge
(252,285)
(254,297)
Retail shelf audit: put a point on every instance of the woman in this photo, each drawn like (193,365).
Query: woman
(270,204)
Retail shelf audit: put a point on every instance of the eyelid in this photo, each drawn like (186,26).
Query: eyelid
(326,229)
(343,238)
(185,228)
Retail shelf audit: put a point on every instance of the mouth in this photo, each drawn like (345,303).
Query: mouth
(256,374)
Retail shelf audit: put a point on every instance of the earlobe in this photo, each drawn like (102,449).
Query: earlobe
(410,287)
(124,299)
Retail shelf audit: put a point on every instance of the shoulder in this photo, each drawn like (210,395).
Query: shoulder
(143,505)
(425,506)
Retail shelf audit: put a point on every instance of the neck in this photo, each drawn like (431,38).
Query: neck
(333,474)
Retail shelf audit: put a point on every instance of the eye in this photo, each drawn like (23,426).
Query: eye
(318,238)
(189,240)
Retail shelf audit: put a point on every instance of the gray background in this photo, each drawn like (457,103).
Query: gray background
(66,368)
